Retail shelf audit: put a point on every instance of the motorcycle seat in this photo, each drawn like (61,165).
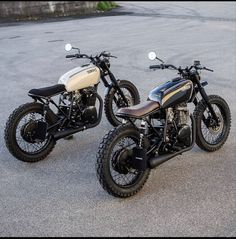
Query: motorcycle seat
(47,91)
(138,111)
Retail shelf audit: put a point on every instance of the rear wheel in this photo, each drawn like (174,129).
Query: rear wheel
(20,133)
(114,170)
(211,136)
(113,101)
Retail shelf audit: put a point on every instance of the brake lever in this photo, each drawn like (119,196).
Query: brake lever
(107,54)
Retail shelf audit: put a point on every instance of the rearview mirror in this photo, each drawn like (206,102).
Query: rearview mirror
(68,47)
(152,55)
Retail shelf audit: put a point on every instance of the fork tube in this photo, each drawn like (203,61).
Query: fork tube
(114,81)
(106,84)
(205,97)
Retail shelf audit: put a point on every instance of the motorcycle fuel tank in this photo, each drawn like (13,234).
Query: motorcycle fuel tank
(172,92)
(80,77)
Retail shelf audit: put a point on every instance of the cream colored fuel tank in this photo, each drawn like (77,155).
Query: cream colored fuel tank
(80,77)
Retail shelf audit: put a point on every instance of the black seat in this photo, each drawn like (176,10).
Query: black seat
(47,91)
(138,111)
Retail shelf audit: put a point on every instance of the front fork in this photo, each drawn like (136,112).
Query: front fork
(115,85)
(206,99)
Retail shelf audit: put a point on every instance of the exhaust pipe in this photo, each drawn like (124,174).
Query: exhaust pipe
(154,162)
(62,134)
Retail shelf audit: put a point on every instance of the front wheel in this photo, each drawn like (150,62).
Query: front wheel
(113,101)
(114,170)
(210,135)
(20,133)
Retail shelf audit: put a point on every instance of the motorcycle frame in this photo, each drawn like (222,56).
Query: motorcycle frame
(198,88)
(67,117)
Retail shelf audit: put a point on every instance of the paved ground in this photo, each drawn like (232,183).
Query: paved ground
(191,195)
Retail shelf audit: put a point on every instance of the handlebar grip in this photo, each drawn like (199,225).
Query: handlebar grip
(70,56)
(155,67)
(208,69)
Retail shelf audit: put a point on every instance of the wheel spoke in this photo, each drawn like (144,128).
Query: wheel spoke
(25,146)
(212,134)
(129,176)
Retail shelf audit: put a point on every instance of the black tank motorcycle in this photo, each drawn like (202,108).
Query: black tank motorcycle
(166,129)
(33,128)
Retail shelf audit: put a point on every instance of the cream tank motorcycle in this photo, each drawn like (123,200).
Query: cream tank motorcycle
(33,128)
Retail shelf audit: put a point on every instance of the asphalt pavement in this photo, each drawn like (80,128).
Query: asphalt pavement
(191,195)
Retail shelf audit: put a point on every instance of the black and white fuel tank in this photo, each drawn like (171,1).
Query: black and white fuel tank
(173,92)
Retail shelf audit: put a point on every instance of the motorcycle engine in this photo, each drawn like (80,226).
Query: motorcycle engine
(184,135)
(83,110)
(179,132)
(184,130)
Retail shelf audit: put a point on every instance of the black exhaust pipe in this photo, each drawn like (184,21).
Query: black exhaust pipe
(154,162)
(62,134)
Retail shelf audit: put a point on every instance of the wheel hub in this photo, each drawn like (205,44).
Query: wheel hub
(212,126)
(120,161)
(129,99)
(121,103)
(28,131)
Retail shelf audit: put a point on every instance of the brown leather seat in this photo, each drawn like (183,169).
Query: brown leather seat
(138,111)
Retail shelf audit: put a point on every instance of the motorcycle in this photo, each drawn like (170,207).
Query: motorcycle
(33,128)
(166,129)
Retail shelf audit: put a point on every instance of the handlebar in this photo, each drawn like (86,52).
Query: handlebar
(104,54)
(78,56)
(169,66)
(207,69)
(162,66)
(155,67)
(71,56)
(199,67)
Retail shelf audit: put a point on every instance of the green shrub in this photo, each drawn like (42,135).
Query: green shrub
(106,5)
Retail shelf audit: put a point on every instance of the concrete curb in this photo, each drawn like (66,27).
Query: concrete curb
(12,22)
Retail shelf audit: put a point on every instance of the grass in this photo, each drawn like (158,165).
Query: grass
(106,5)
